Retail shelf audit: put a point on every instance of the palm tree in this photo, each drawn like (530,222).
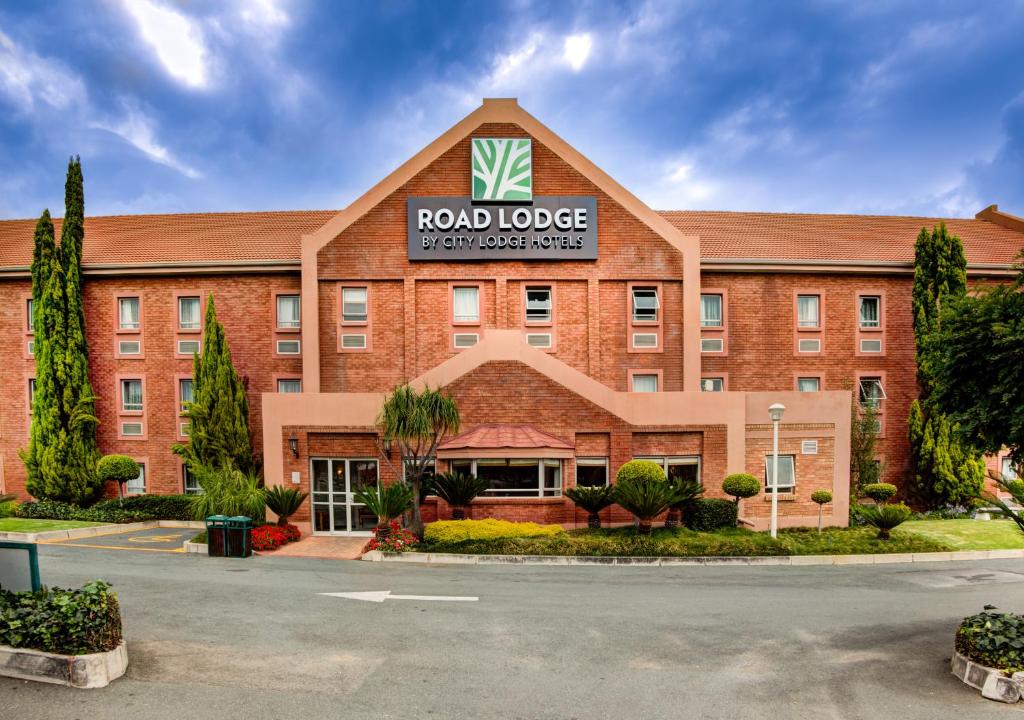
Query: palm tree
(458,490)
(415,422)
(593,500)
(284,502)
(642,488)
(687,490)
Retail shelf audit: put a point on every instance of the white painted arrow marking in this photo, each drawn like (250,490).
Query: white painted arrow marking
(379,596)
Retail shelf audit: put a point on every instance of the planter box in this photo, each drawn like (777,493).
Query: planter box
(80,671)
(994,684)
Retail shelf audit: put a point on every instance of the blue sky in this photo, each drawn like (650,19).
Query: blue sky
(822,106)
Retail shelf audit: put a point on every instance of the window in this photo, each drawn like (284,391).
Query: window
(189,347)
(189,483)
(288,312)
(128,313)
(185,392)
(539,340)
(131,395)
(591,472)
(131,429)
(288,347)
(465,340)
(289,386)
(538,304)
(137,485)
(711,311)
(645,340)
(353,342)
(808,384)
(645,383)
(686,467)
(31,392)
(466,304)
(870,311)
(30,321)
(809,346)
(871,391)
(129,347)
(645,304)
(353,304)
(515,477)
(712,345)
(871,346)
(188,313)
(1007,470)
(787,474)
(807,311)
(714,384)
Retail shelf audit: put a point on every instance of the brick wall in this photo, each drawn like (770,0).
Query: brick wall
(245,305)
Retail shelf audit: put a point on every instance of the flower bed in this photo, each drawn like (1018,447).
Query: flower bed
(398,539)
(270,537)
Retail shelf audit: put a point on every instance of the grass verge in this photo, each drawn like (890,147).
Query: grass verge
(687,543)
(968,534)
(25,525)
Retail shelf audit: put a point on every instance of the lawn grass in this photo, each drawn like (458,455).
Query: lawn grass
(25,525)
(681,542)
(968,534)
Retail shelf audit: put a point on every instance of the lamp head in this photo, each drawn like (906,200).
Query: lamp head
(775,412)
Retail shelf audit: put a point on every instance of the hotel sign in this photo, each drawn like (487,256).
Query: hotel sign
(550,227)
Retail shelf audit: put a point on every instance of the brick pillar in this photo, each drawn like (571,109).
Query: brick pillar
(409,359)
(501,303)
(594,328)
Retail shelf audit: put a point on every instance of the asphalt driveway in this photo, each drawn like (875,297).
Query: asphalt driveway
(220,637)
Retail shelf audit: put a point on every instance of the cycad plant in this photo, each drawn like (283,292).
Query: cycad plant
(284,502)
(458,490)
(387,503)
(228,491)
(592,500)
(884,517)
(642,489)
(687,491)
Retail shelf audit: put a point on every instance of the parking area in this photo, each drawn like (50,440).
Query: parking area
(163,539)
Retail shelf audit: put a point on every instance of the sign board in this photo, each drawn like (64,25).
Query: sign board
(551,227)
(502,169)
(19,566)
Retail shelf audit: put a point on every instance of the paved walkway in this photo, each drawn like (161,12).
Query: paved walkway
(324,546)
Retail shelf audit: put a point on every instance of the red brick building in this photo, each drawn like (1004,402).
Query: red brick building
(576,327)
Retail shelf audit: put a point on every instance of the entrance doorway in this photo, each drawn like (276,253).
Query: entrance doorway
(334,483)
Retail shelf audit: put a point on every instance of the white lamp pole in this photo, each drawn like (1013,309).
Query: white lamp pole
(775,413)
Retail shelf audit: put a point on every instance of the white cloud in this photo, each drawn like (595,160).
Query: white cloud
(27,78)
(264,15)
(136,128)
(176,39)
(576,50)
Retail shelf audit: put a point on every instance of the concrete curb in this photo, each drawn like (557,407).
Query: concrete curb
(994,684)
(191,547)
(97,531)
(801,560)
(78,671)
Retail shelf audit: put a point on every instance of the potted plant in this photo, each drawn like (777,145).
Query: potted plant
(387,503)
(592,500)
(458,490)
(284,502)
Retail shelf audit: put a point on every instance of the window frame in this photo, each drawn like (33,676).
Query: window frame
(278,327)
(142,474)
(178,298)
(721,310)
(769,490)
(656,326)
(118,328)
(534,287)
(817,327)
(365,322)
(540,494)
(452,288)
(644,372)
(876,334)
(592,461)
(797,377)
(667,461)
(658,305)
(722,378)
(122,386)
(133,416)
(289,379)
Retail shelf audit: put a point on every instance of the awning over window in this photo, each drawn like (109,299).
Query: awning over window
(505,441)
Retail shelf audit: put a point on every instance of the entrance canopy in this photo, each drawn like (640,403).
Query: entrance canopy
(507,441)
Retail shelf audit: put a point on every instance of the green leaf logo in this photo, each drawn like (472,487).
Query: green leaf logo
(502,169)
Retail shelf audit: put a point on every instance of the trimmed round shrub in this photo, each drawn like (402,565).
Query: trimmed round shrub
(489,529)
(741,485)
(993,639)
(821,497)
(710,514)
(880,492)
(640,471)
(119,468)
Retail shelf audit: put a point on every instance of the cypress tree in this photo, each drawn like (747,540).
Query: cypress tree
(219,414)
(78,401)
(944,471)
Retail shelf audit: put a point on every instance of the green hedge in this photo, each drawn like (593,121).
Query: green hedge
(135,509)
(70,622)
(708,514)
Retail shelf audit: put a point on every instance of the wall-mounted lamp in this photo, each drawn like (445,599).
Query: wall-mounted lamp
(293,444)
(387,447)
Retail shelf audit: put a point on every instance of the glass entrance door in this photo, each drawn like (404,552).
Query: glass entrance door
(334,482)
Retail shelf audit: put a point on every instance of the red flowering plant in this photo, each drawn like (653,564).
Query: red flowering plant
(271,537)
(398,539)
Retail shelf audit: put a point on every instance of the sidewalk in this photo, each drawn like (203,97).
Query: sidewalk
(323,546)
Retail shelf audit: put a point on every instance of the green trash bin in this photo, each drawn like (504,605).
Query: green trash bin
(238,542)
(216,535)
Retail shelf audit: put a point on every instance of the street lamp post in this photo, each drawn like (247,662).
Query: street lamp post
(775,413)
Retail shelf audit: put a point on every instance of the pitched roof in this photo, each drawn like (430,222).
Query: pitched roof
(501,437)
(266,237)
(838,238)
(194,238)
